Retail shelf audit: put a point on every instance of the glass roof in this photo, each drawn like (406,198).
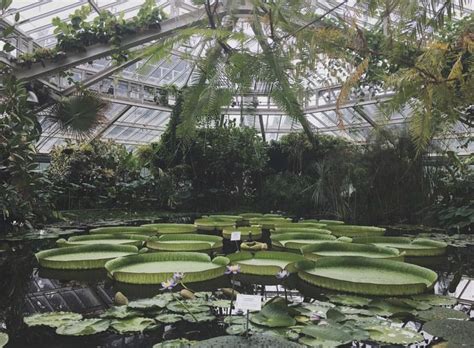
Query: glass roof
(133,116)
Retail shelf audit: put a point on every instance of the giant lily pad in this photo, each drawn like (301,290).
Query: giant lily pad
(411,247)
(316,251)
(362,275)
(273,314)
(295,241)
(245,232)
(206,224)
(265,262)
(141,230)
(267,222)
(234,218)
(331,222)
(172,228)
(83,257)
(154,268)
(185,242)
(122,239)
(249,216)
(51,319)
(132,325)
(83,327)
(298,226)
(355,231)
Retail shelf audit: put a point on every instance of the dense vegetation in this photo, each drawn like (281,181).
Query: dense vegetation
(229,168)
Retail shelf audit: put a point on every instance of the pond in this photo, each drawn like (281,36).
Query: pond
(28,290)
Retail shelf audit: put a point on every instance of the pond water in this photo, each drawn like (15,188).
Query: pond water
(24,292)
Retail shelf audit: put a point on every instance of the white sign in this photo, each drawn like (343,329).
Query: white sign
(235,236)
(248,302)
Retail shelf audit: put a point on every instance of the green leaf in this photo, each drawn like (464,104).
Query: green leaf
(120,312)
(168,318)
(3,339)
(394,335)
(83,327)
(51,319)
(273,314)
(458,332)
(349,300)
(132,325)
(199,317)
(437,313)
(149,303)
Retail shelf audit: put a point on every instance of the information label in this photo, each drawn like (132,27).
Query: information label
(248,302)
(234,236)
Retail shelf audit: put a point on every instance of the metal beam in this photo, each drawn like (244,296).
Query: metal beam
(168,28)
(109,123)
(94,6)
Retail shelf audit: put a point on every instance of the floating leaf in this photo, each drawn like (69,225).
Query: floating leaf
(235,320)
(394,335)
(457,332)
(149,303)
(199,317)
(132,325)
(441,313)
(187,308)
(3,339)
(316,342)
(169,318)
(335,315)
(120,312)
(273,314)
(349,300)
(83,327)
(329,332)
(51,319)
(435,300)
(235,329)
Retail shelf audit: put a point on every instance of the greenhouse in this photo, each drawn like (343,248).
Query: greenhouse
(236,173)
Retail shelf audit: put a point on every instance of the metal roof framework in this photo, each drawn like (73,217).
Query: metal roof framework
(134,118)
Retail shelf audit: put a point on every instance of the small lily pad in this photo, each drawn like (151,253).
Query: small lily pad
(441,313)
(235,320)
(169,318)
(178,307)
(235,329)
(3,339)
(316,342)
(435,300)
(132,325)
(199,317)
(83,327)
(457,332)
(394,335)
(149,303)
(221,303)
(177,343)
(273,314)
(120,312)
(349,300)
(51,319)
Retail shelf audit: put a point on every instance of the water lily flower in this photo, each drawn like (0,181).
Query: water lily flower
(178,276)
(169,284)
(232,269)
(282,274)
(314,317)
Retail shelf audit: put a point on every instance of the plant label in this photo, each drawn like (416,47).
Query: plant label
(248,302)
(235,236)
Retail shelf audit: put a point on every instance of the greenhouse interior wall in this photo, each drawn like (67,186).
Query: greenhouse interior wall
(247,173)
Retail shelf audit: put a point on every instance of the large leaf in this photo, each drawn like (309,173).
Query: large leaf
(155,268)
(188,307)
(273,314)
(168,318)
(132,325)
(349,300)
(149,303)
(435,300)
(141,230)
(185,242)
(51,319)
(123,239)
(355,231)
(368,276)
(264,262)
(83,327)
(318,250)
(163,228)
(411,247)
(199,317)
